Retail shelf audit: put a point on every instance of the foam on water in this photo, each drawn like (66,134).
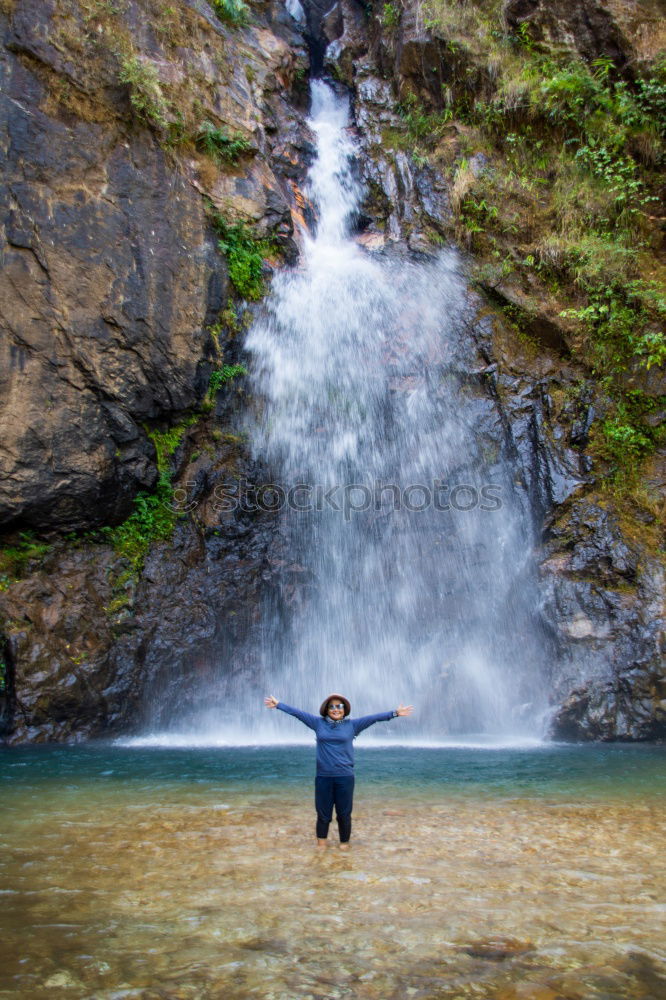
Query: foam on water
(174,740)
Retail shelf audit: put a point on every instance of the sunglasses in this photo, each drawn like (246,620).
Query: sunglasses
(335,705)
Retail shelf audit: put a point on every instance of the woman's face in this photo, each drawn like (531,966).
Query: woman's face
(335,710)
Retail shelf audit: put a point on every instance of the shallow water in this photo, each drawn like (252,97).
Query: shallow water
(473,873)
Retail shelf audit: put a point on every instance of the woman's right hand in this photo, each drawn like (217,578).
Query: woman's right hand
(271,702)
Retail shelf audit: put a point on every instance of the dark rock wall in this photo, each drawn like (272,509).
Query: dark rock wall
(111,280)
(86,664)
(110,274)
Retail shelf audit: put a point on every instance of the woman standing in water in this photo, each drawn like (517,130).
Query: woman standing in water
(334,782)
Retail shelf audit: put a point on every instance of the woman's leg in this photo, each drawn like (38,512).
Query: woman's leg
(344,801)
(324,805)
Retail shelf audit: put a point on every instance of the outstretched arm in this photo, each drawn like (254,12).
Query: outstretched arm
(369,720)
(304,717)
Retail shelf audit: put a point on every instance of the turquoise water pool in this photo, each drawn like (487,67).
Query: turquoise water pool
(544,770)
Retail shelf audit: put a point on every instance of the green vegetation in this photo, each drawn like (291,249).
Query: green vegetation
(219,145)
(420,124)
(231,11)
(15,559)
(149,102)
(146,95)
(4,675)
(391,16)
(154,515)
(167,21)
(622,441)
(564,198)
(220,376)
(245,256)
(232,321)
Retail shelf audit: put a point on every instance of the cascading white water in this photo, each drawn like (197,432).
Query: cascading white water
(362,362)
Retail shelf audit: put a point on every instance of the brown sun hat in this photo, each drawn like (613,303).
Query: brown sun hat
(340,697)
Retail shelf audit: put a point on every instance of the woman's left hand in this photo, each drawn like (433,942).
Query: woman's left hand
(405,709)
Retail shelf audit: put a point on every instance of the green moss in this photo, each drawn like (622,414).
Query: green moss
(391,16)
(167,441)
(422,127)
(623,441)
(154,515)
(116,605)
(146,95)
(15,559)
(625,437)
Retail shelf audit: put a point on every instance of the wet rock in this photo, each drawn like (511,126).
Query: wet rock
(497,949)
(596,547)
(332,24)
(374,102)
(550,471)
(606,602)
(590,27)
(58,636)
(87,657)
(405,197)
(119,265)
(346,30)
(253,196)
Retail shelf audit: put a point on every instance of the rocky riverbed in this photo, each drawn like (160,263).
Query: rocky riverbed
(190,893)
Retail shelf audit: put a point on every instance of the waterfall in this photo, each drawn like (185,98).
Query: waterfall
(407,534)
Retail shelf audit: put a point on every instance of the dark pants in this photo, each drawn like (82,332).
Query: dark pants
(338,792)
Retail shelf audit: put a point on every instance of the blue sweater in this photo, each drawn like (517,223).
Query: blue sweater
(335,747)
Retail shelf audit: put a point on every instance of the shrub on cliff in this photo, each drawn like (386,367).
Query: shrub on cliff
(232,11)
(245,256)
(146,95)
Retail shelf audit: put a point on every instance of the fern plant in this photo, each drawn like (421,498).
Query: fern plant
(219,144)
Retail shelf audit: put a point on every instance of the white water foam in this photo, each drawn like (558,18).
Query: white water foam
(187,740)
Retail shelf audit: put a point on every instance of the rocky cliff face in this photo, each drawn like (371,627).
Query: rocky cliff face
(112,282)
(111,276)
(113,293)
